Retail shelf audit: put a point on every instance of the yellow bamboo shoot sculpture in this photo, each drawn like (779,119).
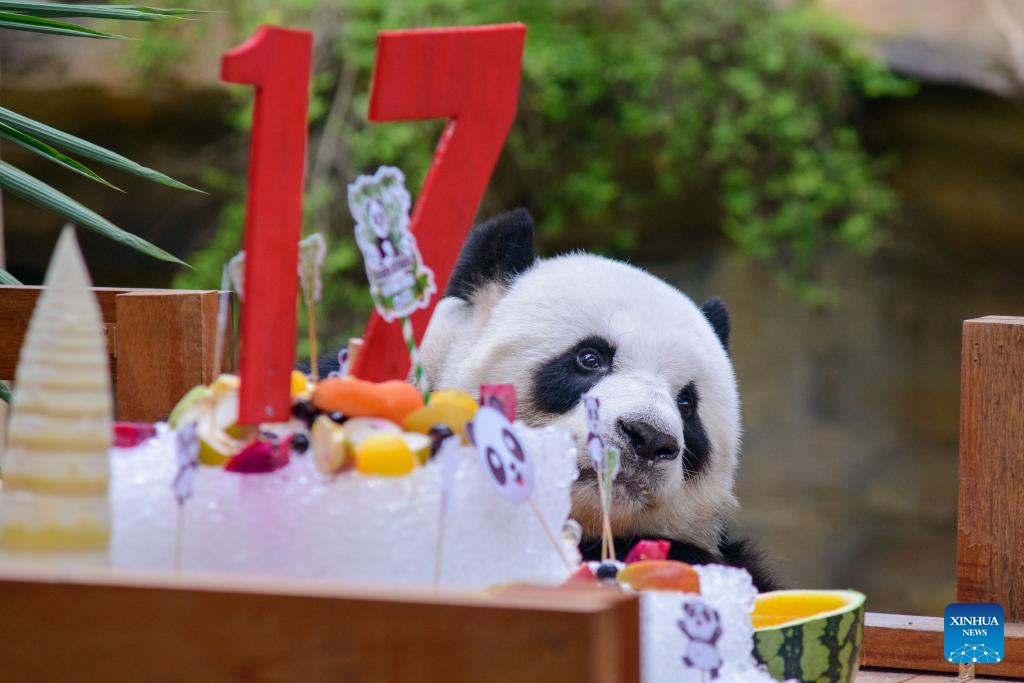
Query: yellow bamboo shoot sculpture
(56,465)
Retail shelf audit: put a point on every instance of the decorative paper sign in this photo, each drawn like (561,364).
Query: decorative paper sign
(399,281)
(278,63)
(312,251)
(505,460)
(236,271)
(595,429)
(469,76)
(702,626)
(612,459)
(186,451)
(501,397)
(342,364)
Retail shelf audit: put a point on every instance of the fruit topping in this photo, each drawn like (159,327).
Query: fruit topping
(392,400)
(648,550)
(301,386)
(259,457)
(582,576)
(385,455)
(300,443)
(128,434)
(454,397)
(331,450)
(419,444)
(450,414)
(665,575)
(606,572)
(359,429)
(188,404)
(305,411)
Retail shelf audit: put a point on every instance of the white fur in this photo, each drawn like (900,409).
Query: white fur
(663,341)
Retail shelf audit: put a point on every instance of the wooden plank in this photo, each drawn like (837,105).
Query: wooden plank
(881,676)
(990,520)
(16,306)
(896,641)
(117,626)
(165,346)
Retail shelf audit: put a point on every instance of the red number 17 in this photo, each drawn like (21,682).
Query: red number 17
(469,75)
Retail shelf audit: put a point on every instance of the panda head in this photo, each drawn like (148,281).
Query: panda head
(557,328)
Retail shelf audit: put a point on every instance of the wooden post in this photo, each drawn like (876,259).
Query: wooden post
(165,346)
(990,539)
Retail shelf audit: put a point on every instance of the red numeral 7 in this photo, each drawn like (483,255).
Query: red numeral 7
(471,77)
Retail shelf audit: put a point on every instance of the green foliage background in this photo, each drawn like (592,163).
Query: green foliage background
(630,114)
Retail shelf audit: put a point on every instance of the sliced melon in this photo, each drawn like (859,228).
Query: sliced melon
(809,635)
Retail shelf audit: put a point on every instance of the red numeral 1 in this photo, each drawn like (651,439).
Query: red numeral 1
(471,76)
(277,61)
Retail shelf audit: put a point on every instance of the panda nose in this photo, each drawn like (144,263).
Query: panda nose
(648,442)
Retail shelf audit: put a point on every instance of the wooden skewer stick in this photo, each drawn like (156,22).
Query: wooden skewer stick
(551,537)
(604,536)
(314,369)
(222,321)
(179,540)
(607,533)
(355,345)
(439,552)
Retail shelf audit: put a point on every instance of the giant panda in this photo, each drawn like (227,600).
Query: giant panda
(558,327)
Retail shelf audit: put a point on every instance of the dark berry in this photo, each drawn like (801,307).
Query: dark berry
(438,433)
(304,410)
(607,572)
(300,442)
(338,416)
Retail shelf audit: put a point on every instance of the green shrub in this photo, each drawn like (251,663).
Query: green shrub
(630,114)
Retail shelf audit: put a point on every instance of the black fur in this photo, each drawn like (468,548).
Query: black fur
(696,445)
(495,251)
(325,364)
(742,554)
(559,383)
(716,313)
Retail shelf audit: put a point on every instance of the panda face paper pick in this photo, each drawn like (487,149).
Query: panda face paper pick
(508,464)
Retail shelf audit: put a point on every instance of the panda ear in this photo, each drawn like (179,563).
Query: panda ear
(714,310)
(495,251)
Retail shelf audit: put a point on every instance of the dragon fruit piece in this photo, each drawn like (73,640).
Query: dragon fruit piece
(648,550)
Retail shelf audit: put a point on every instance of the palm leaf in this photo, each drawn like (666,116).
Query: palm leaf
(5,393)
(19,183)
(8,279)
(26,22)
(86,149)
(128,12)
(47,152)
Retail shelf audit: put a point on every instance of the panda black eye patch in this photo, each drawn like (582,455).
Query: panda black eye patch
(697,446)
(559,383)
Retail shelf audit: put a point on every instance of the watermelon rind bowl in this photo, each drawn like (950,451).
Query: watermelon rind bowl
(821,648)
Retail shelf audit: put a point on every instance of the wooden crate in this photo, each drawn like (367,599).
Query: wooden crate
(990,519)
(161,343)
(114,626)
